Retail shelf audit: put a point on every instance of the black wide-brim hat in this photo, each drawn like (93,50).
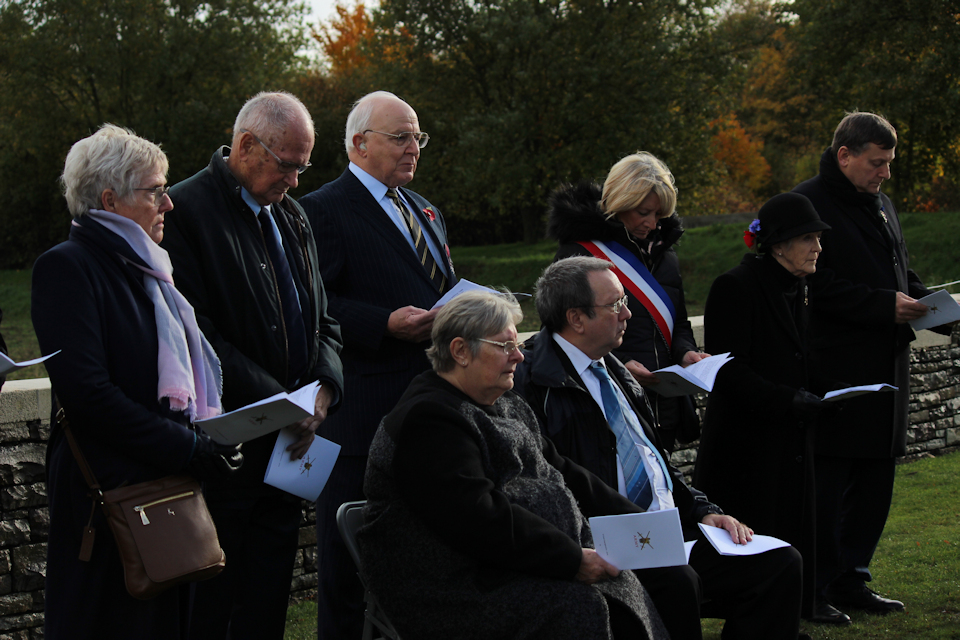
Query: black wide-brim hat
(786,216)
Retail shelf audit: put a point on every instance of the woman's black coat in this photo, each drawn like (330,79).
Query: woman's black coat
(755,455)
(93,307)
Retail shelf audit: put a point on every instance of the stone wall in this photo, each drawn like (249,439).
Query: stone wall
(24,519)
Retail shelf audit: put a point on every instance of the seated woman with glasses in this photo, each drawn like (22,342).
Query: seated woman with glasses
(475,526)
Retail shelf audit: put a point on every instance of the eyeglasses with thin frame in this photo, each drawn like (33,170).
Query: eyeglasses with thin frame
(404,138)
(508,347)
(282,165)
(158,192)
(616,306)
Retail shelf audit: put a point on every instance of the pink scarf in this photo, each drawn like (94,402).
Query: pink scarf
(187,366)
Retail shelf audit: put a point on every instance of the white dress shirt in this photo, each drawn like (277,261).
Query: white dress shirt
(662,496)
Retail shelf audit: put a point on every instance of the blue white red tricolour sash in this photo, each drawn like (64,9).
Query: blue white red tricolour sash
(637,279)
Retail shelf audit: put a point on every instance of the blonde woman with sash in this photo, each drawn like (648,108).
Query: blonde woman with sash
(632,222)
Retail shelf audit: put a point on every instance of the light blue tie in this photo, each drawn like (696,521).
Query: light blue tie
(626,427)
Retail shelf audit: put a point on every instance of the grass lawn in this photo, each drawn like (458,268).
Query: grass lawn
(917,562)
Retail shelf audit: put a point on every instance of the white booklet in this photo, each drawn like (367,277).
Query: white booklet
(640,540)
(307,476)
(681,381)
(6,364)
(853,392)
(942,308)
(725,546)
(463,285)
(262,417)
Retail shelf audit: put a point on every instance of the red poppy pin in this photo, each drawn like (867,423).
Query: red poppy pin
(430,213)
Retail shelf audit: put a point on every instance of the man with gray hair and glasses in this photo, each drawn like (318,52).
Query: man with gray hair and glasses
(244,256)
(385,261)
(596,414)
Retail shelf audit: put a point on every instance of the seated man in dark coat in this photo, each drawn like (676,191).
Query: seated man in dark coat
(600,419)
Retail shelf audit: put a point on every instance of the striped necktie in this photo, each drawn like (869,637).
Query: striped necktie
(434,272)
(627,428)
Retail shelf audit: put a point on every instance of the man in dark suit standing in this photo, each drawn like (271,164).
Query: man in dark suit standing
(244,256)
(385,261)
(596,414)
(865,294)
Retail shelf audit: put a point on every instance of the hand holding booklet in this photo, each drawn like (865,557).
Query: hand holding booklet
(941,309)
(307,476)
(640,540)
(681,381)
(262,417)
(721,541)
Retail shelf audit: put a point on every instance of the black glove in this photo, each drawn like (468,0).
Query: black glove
(210,458)
(807,406)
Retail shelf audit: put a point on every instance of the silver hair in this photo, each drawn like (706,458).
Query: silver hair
(565,284)
(360,114)
(112,158)
(268,113)
(471,315)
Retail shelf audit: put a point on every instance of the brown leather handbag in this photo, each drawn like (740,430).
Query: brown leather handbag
(163,529)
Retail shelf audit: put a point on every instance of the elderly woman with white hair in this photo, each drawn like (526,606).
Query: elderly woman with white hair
(475,526)
(631,222)
(133,373)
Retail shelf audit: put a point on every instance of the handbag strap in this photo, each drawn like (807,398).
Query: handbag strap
(78,454)
(89,533)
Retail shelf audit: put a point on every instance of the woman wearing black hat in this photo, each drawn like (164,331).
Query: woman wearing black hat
(755,454)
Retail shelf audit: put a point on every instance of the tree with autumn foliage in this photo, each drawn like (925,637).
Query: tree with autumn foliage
(901,59)
(746,172)
(521,95)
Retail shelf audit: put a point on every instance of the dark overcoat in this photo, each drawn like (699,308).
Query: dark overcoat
(475,525)
(370,270)
(756,456)
(221,265)
(571,419)
(90,305)
(853,336)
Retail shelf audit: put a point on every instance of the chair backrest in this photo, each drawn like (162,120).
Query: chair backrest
(349,519)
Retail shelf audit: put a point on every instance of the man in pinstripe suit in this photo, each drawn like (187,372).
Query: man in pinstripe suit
(385,261)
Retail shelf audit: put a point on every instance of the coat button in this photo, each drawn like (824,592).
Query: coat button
(273,327)
(799,458)
(799,355)
(263,265)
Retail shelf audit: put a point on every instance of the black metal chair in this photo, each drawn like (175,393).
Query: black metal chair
(349,519)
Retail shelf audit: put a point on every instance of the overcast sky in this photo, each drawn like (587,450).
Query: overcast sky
(323,9)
